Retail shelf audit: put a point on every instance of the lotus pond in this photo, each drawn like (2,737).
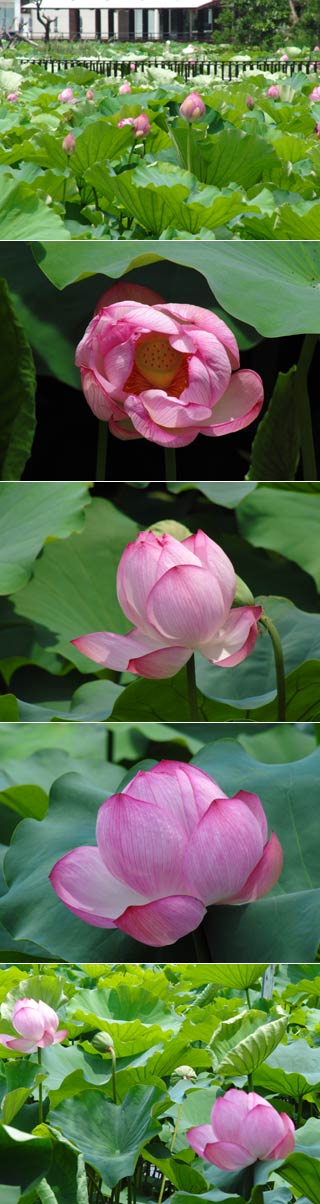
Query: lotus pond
(245,170)
(148,1052)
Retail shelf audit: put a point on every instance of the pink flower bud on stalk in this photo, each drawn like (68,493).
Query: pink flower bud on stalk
(142,125)
(273,92)
(69,144)
(12,97)
(66,96)
(164,371)
(192,107)
(244,1128)
(89,94)
(125,87)
(170,845)
(37,1025)
(315,95)
(250,102)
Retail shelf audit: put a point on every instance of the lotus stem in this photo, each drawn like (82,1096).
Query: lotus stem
(40,1088)
(192,689)
(170,464)
(171,1147)
(303,403)
(279,665)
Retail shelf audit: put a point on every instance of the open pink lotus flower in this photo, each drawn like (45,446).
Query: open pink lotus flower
(37,1025)
(164,371)
(179,596)
(315,95)
(168,846)
(243,1128)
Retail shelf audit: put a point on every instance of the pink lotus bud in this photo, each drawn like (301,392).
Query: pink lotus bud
(170,845)
(125,87)
(315,48)
(315,95)
(284,58)
(37,1024)
(243,1128)
(192,107)
(185,355)
(66,95)
(250,102)
(125,121)
(273,92)
(132,66)
(69,144)
(142,125)
(89,94)
(190,586)
(12,97)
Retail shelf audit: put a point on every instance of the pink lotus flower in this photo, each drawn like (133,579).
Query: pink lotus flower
(37,1024)
(167,371)
(192,107)
(66,96)
(125,87)
(89,94)
(273,92)
(69,144)
(142,125)
(179,596)
(316,48)
(169,845)
(125,121)
(315,95)
(243,1128)
(250,102)
(284,58)
(12,97)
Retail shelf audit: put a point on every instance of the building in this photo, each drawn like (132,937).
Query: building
(89,21)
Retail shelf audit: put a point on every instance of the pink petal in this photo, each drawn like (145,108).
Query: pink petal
(143,318)
(190,790)
(224,849)
(254,803)
(203,319)
(82,881)
(227,1115)
(123,291)
(148,429)
(142,844)
(186,605)
(213,558)
(164,663)
(28,1020)
(239,406)
(236,639)
(173,413)
(261,1130)
(199,1137)
(123,430)
(20,1043)
(212,358)
(116,651)
(60,1036)
(227,1155)
(118,363)
(162,922)
(264,876)
(141,565)
(97,397)
(287,1144)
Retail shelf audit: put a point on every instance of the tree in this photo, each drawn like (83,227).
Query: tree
(44,20)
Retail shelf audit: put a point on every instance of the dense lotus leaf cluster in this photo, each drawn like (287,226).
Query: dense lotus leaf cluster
(126,1109)
(249,171)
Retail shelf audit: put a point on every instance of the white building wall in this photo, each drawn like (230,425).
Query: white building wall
(88,20)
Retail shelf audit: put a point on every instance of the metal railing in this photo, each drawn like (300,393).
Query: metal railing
(223,70)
